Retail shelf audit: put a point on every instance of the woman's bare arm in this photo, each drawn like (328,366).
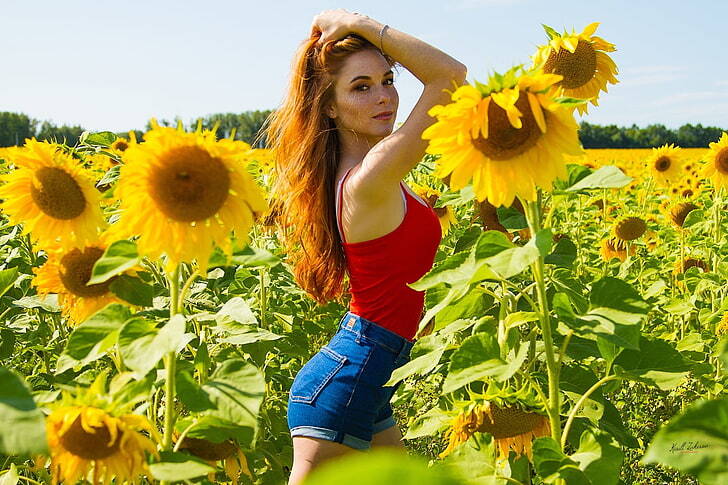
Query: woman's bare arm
(392,158)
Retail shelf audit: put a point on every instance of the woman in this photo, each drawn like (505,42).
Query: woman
(344,209)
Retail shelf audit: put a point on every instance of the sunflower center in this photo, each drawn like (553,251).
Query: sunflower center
(59,195)
(121,145)
(680,212)
(630,228)
(89,446)
(207,450)
(505,142)
(578,68)
(721,161)
(191,186)
(508,422)
(76,269)
(662,164)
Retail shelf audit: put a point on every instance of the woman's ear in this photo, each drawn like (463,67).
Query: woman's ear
(331,111)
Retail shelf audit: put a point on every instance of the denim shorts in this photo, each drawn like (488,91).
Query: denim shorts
(339,394)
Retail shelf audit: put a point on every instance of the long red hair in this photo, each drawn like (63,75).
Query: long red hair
(305,143)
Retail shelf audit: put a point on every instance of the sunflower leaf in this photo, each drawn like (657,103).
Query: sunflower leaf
(23,429)
(695,442)
(175,466)
(119,256)
(142,344)
(7,279)
(607,177)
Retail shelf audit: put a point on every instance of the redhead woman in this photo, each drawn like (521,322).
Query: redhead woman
(346,213)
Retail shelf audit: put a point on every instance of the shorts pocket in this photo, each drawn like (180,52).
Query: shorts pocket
(314,376)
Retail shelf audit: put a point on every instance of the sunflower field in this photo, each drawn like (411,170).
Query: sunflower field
(574,329)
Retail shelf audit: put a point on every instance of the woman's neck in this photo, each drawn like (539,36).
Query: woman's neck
(354,147)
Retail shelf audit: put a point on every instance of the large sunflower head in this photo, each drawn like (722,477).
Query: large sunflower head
(513,418)
(52,196)
(716,167)
(183,192)
(614,247)
(67,272)
(630,228)
(509,136)
(666,165)
(90,437)
(581,59)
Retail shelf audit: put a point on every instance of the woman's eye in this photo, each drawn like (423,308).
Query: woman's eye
(389,81)
(363,87)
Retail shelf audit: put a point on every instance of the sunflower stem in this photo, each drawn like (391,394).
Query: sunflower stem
(170,363)
(533,216)
(580,403)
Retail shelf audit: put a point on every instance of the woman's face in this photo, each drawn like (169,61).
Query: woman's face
(365,99)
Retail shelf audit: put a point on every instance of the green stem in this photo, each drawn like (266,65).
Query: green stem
(533,216)
(580,403)
(170,364)
(262,297)
(186,287)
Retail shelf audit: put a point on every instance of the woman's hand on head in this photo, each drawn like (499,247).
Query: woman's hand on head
(334,24)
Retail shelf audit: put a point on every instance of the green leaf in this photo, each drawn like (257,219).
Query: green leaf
(656,363)
(615,312)
(239,311)
(11,476)
(599,457)
(564,254)
(421,365)
(379,467)
(132,290)
(428,424)
(252,257)
(480,356)
(142,345)
(694,216)
(23,426)
(551,463)
(475,302)
(511,218)
(511,262)
(119,257)
(103,138)
(607,177)
(236,389)
(95,329)
(191,394)
(175,466)
(48,302)
(695,442)
(7,279)
(474,462)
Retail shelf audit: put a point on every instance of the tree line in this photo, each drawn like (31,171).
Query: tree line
(16,127)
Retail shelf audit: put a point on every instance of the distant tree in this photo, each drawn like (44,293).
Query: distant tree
(15,128)
(247,125)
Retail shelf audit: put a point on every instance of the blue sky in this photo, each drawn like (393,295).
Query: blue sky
(113,65)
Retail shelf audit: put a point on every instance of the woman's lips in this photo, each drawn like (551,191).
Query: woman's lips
(383,116)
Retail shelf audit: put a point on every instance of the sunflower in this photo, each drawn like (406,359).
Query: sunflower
(679,212)
(52,195)
(66,273)
(97,442)
(722,327)
(233,458)
(183,192)
(509,137)
(683,265)
(615,248)
(583,62)
(446,214)
(630,228)
(514,419)
(716,167)
(666,164)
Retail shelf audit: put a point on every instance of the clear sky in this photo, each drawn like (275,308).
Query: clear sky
(113,65)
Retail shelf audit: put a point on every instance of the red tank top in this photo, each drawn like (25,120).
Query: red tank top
(380,268)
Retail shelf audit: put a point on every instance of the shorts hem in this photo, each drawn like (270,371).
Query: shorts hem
(330,435)
(384,424)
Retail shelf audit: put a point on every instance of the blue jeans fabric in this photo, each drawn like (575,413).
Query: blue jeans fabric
(339,394)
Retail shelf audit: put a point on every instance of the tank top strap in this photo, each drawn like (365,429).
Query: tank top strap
(339,202)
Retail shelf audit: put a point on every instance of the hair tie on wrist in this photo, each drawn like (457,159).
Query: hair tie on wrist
(381,37)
